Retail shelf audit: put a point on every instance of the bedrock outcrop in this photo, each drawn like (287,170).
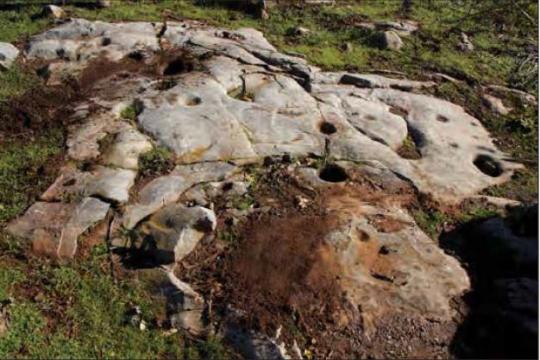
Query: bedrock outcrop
(221,101)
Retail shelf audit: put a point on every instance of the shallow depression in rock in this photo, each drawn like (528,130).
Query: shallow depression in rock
(333,173)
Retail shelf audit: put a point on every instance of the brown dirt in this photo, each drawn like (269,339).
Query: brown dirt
(275,268)
(386,224)
(281,268)
(44,106)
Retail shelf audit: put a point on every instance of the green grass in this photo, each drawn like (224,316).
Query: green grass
(433,221)
(23,175)
(78,310)
(129,113)
(15,81)
(15,25)
(159,160)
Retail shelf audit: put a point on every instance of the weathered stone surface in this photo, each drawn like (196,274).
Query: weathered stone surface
(203,194)
(372,81)
(251,344)
(403,28)
(389,40)
(127,146)
(54,228)
(54,11)
(112,184)
(117,39)
(174,231)
(465,44)
(245,102)
(250,104)
(389,265)
(452,165)
(495,104)
(168,189)
(8,54)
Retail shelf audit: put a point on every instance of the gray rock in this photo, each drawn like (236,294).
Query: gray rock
(112,184)
(244,110)
(184,306)
(437,127)
(168,189)
(300,31)
(103,3)
(422,278)
(128,145)
(372,81)
(53,228)
(465,44)
(389,40)
(174,231)
(403,28)
(251,344)
(8,54)
(495,104)
(54,11)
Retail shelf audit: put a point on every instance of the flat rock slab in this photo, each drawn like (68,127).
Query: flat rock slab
(245,102)
(112,184)
(54,228)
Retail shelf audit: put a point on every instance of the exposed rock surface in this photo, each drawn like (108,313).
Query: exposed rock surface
(495,104)
(389,40)
(223,100)
(173,232)
(465,44)
(200,120)
(54,228)
(54,11)
(8,54)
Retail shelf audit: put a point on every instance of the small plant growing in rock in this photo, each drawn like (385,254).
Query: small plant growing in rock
(129,113)
(157,161)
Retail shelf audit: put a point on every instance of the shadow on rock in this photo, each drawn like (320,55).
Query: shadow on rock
(501,256)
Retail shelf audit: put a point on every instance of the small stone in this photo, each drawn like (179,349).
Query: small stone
(465,45)
(8,54)
(54,11)
(301,201)
(389,40)
(300,31)
(173,232)
(495,104)
(348,47)
(103,3)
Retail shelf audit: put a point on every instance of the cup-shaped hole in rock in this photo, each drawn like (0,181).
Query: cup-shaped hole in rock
(178,66)
(327,128)
(333,173)
(136,55)
(193,101)
(488,165)
(442,118)
(166,84)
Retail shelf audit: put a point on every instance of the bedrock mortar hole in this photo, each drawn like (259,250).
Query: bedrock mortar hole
(442,118)
(327,128)
(488,165)
(333,173)
(194,101)
(178,66)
